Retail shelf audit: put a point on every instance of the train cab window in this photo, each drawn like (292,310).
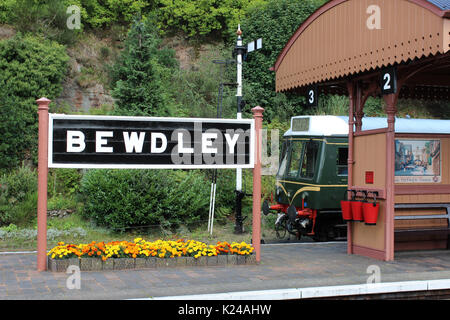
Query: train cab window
(309,159)
(296,154)
(283,158)
(341,161)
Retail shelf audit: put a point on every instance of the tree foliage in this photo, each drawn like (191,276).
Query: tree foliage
(275,23)
(100,14)
(141,75)
(203,17)
(47,18)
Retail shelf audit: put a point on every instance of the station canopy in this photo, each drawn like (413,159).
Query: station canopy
(342,41)
(323,126)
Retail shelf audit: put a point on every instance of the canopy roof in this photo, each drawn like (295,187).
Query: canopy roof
(441,4)
(335,42)
(338,126)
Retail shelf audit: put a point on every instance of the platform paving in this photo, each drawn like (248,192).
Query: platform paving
(282,266)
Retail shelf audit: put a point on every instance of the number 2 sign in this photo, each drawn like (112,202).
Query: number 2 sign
(389,80)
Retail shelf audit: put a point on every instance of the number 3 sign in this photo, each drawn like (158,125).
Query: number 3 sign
(311,99)
(388,81)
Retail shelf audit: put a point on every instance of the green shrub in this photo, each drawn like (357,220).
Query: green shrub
(18,197)
(120,199)
(61,202)
(63,182)
(30,68)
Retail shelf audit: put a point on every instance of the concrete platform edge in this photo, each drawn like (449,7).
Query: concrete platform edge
(319,292)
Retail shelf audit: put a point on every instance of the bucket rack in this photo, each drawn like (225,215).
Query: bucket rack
(361,210)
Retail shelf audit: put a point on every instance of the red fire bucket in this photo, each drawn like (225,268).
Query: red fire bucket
(370,211)
(347,208)
(357,210)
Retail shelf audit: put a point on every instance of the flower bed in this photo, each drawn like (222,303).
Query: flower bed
(141,254)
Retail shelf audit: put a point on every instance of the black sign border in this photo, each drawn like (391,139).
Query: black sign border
(53,116)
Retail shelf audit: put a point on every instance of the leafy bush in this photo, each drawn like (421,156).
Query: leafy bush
(18,196)
(63,182)
(61,202)
(120,199)
(30,68)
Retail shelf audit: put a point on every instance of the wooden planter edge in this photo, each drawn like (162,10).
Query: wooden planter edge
(96,264)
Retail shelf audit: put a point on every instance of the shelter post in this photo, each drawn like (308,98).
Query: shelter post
(359,107)
(42,184)
(391,110)
(256,221)
(351,94)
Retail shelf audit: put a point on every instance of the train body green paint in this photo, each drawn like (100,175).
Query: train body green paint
(319,179)
(312,178)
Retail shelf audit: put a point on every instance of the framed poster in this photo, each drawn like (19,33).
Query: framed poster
(418,161)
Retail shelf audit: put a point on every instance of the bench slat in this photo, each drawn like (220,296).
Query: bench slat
(439,216)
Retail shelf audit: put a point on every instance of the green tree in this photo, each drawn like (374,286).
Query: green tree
(141,76)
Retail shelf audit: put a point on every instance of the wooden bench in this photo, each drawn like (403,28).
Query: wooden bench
(405,234)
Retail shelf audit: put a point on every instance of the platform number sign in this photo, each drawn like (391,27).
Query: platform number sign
(389,80)
(311,98)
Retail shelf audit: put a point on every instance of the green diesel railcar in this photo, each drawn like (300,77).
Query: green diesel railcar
(312,178)
(312,175)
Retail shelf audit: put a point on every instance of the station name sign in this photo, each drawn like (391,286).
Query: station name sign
(77,141)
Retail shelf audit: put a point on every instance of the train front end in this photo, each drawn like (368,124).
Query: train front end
(311,178)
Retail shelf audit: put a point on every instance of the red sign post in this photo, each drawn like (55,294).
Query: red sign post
(42,184)
(256,221)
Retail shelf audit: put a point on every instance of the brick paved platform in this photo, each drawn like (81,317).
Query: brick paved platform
(283,266)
